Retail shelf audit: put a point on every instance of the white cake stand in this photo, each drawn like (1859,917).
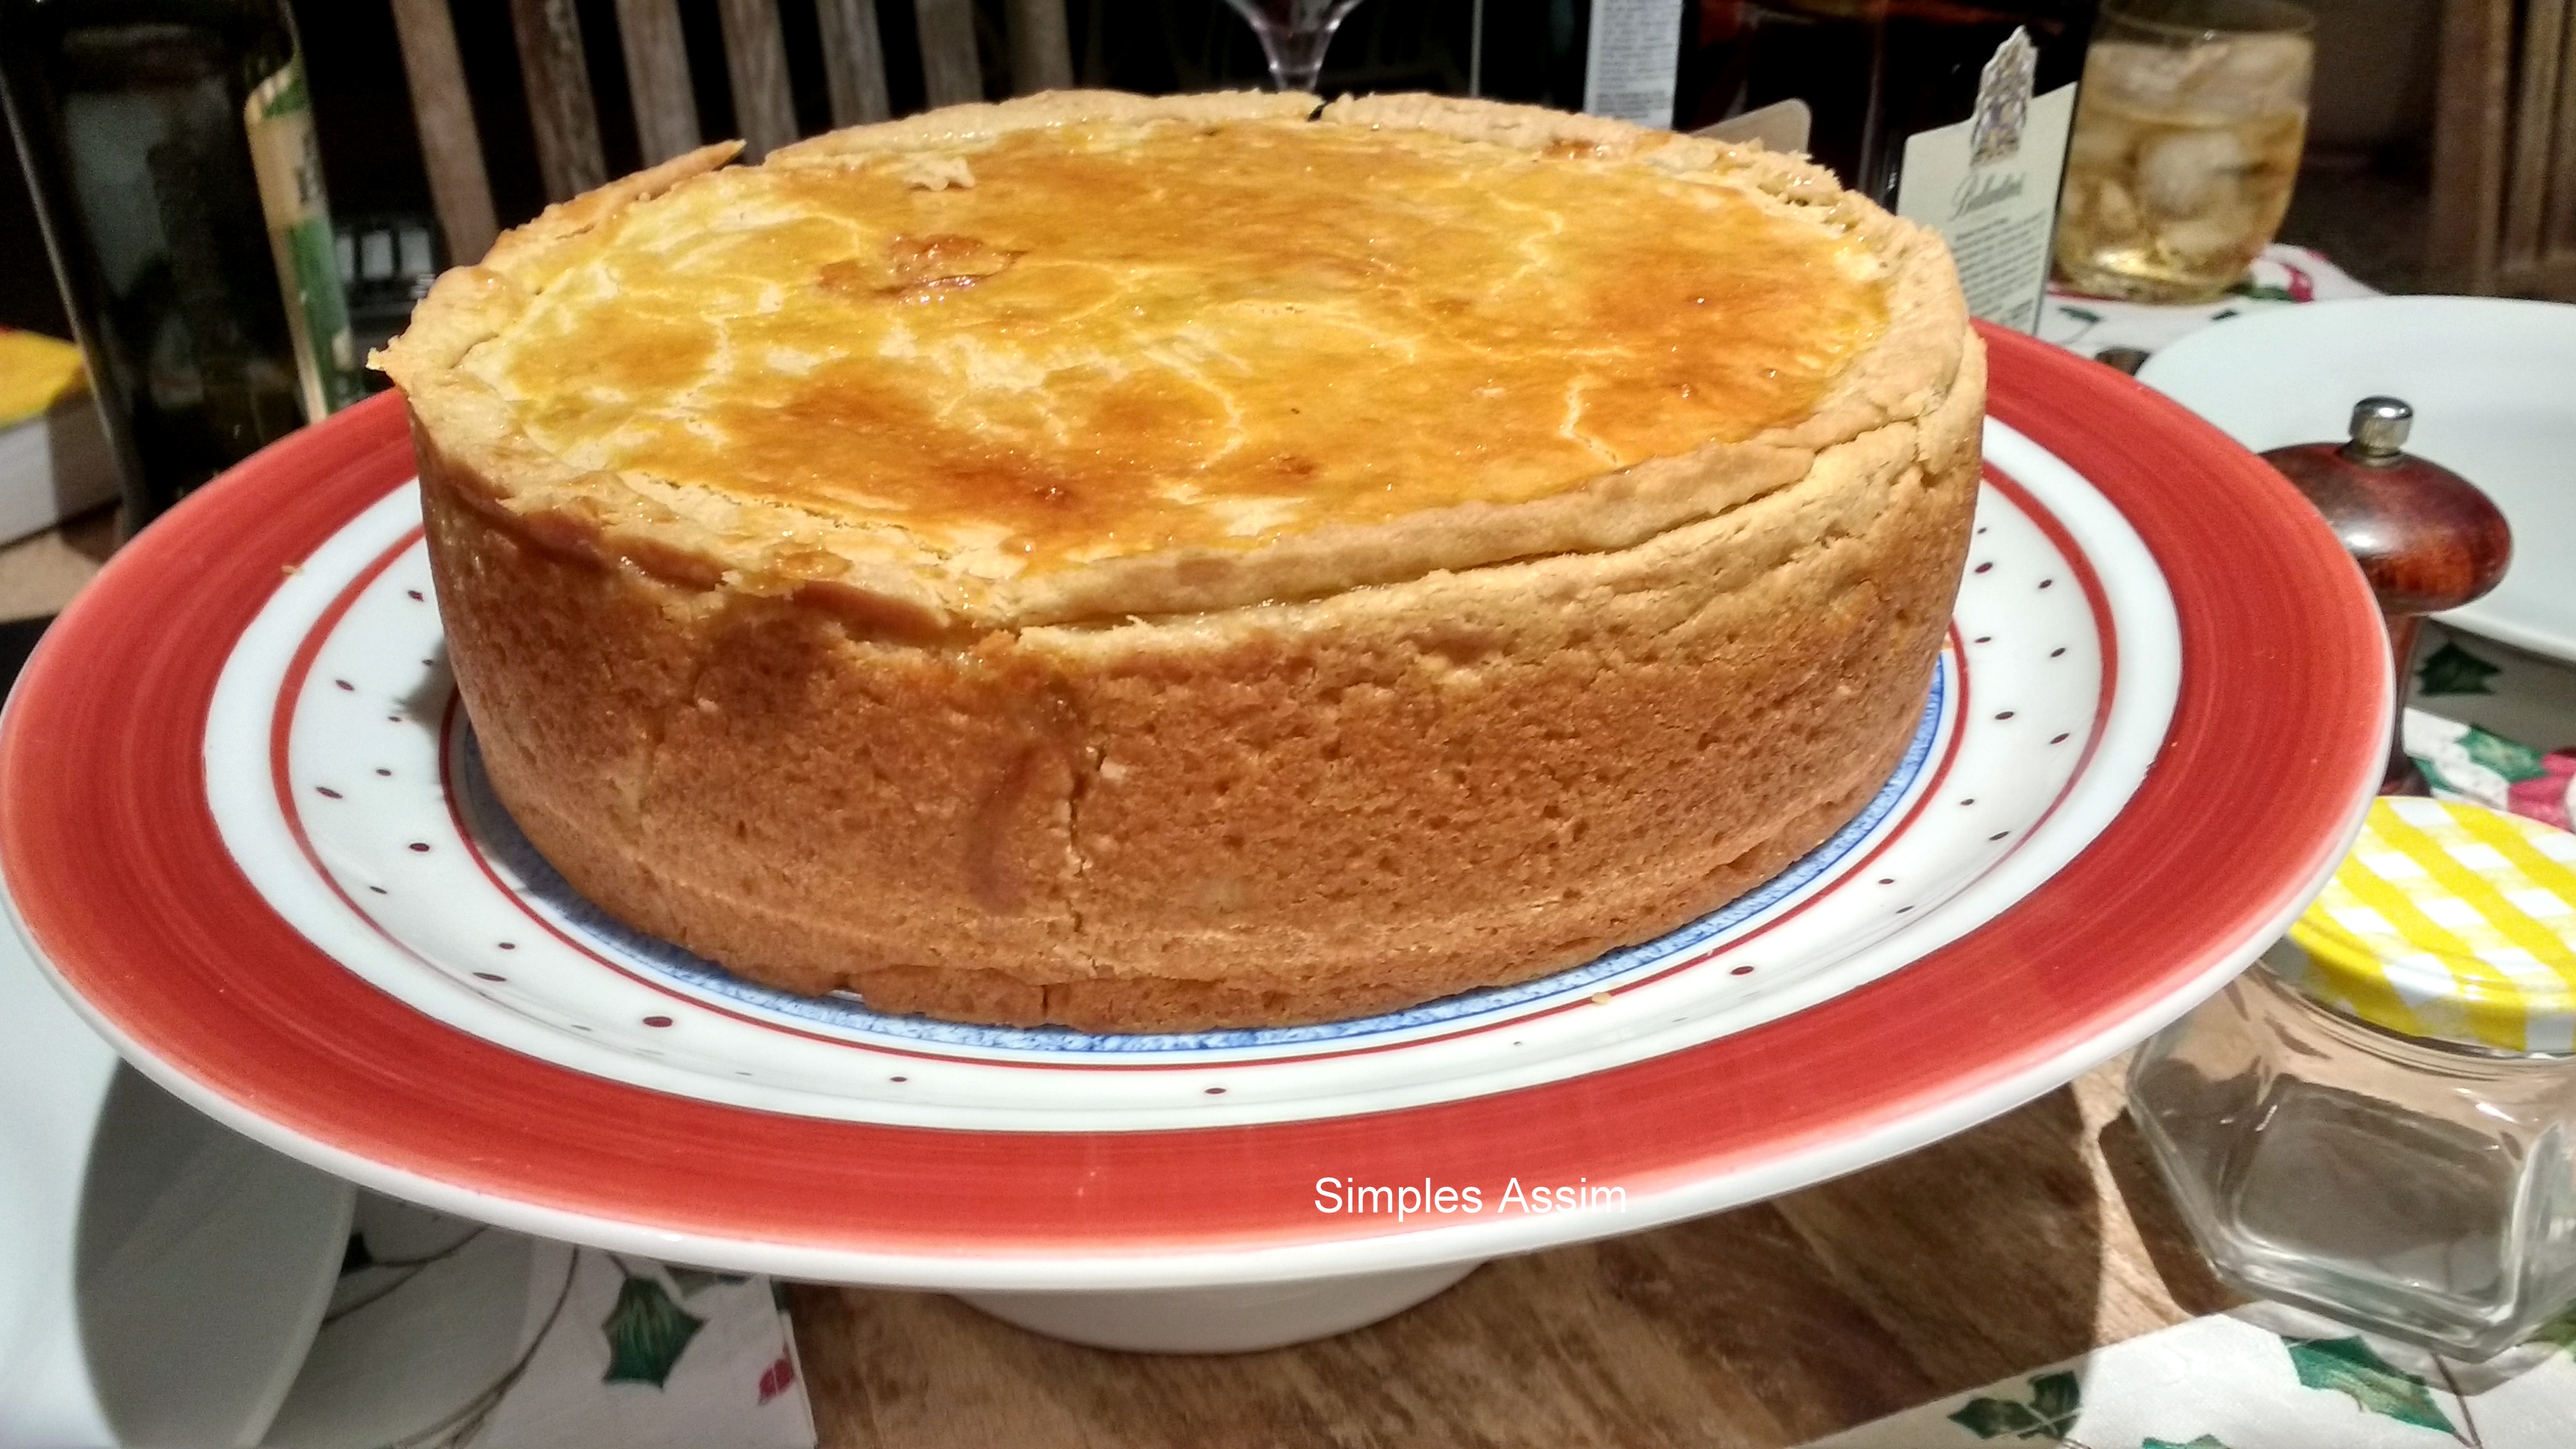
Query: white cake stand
(248,835)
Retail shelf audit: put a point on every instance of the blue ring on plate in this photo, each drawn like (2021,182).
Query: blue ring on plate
(500,838)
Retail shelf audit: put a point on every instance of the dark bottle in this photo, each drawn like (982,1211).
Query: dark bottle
(169,145)
(1617,58)
(1955,113)
(1537,52)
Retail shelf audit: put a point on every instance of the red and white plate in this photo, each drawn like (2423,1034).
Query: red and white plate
(247,829)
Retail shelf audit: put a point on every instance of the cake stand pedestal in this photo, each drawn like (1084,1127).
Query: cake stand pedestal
(1221,1320)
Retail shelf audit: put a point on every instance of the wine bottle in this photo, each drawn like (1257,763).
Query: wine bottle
(1954,113)
(169,146)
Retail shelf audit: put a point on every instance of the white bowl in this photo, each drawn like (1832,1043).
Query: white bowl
(160,1275)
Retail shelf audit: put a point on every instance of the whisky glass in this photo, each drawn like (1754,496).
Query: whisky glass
(2187,138)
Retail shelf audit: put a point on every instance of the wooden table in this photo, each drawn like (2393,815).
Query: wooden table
(2030,1239)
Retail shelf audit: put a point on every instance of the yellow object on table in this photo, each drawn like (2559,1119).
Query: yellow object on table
(2454,922)
(36,372)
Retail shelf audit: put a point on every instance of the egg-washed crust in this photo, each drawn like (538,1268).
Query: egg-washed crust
(877,578)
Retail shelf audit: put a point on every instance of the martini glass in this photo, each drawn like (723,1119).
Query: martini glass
(1294,35)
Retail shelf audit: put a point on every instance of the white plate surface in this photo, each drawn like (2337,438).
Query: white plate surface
(2493,384)
(160,1275)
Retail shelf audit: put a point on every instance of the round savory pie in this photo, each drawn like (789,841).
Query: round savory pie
(1211,561)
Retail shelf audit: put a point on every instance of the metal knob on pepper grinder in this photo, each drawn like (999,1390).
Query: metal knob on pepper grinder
(2426,538)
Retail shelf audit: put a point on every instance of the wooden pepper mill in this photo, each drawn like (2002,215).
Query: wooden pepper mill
(2426,538)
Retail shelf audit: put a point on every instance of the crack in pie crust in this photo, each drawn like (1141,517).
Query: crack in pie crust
(1161,564)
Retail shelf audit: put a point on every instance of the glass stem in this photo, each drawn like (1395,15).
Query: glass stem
(1296,55)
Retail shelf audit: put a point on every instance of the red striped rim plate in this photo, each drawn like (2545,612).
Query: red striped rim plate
(410,1003)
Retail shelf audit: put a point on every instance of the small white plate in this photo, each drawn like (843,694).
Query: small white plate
(160,1275)
(2493,383)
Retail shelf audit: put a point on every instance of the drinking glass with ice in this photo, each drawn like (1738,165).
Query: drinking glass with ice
(2187,138)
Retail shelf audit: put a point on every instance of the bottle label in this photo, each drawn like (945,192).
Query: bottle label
(1630,63)
(287,158)
(1989,185)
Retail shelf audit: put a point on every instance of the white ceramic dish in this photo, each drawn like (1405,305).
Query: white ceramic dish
(2493,383)
(416,1340)
(160,1275)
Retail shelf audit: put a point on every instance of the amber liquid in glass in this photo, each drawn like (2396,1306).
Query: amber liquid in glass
(2182,163)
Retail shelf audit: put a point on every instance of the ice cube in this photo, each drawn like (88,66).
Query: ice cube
(2184,173)
(2116,212)
(2225,235)
(2144,77)
(2250,75)
(2103,140)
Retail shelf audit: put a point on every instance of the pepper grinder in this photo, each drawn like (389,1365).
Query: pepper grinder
(2426,538)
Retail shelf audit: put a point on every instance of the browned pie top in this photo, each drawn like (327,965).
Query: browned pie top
(1091,354)
(1117,342)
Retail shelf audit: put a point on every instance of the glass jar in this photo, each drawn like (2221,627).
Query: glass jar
(2374,1122)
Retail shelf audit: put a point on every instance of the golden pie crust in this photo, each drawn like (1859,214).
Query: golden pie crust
(1204,561)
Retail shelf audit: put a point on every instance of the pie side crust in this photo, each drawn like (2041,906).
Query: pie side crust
(1264,816)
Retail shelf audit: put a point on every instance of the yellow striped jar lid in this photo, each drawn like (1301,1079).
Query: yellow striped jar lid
(2448,921)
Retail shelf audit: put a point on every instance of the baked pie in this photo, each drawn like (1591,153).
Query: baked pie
(1157,564)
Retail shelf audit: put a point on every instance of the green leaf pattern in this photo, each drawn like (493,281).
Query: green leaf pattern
(646,1333)
(2347,1366)
(2055,1399)
(2454,670)
(2560,1331)
(2512,761)
(2052,1402)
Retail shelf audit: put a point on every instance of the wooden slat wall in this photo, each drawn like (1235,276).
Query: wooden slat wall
(450,144)
(853,61)
(763,106)
(2526,197)
(1041,50)
(2504,150)
(2559,240)
(950,72)
(2469,144)
(2553,278)
(559,105)
(562,110)
(657,73)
